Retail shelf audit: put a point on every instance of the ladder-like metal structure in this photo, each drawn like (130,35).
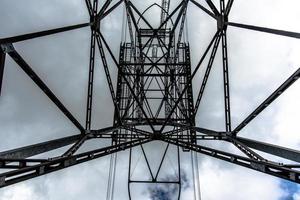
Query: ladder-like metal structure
(153,99)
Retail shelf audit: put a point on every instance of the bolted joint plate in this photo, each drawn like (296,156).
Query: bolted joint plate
(41,170)
(2,181)
(258,166)
(96,25)
(6,48)
(293,176)
(69,162)
(157,136)
(222,22)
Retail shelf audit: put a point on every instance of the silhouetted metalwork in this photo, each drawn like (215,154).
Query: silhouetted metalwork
(154,97)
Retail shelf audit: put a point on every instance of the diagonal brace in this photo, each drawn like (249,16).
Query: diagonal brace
(38,81)
(268,101)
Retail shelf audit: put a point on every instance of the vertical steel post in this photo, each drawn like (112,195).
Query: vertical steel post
(223,28)
(91,69)
(2,64)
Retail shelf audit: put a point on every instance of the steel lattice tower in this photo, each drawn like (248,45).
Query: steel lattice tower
(153,96)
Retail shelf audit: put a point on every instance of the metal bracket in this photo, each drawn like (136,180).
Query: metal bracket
(222,22)
(7,48)
(69,162)
(2,181)
(41,170)
(258,166)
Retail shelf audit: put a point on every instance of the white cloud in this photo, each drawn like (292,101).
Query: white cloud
(20,192)
(236,183)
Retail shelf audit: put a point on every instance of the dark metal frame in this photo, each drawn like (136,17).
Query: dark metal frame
(128,135)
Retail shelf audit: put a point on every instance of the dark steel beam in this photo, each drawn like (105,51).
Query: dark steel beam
(161,162)
(110,9)
(197,137)
(174,132)
(101,133)
(266,30)
(275,150)
(89,102)
(38,81)
(147,162)
(225,68)
(89,7)
(266,167)
(268,101)
(104,7)
(228,7)
(155,182)
(2,64)
(92,134)
(105,130)
(204,9)
(35,149)
(9,163)
(245,149)
(226,83)
(212,7)
(108,77)
(28,36)
(207,73)
(30,172)
(138,131)
(76,146)
(199,129)
(119,136)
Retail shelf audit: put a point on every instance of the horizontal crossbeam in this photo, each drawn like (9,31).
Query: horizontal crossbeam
(35,149)
(266,30)
(11,163)
(26,173)
(266,167)
(28,36)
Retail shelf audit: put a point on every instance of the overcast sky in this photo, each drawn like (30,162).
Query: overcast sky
(258,64)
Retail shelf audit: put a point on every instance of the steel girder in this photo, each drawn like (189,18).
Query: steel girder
(35,149)
(264,166)
(24,168)
(47,166)
(29,36)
